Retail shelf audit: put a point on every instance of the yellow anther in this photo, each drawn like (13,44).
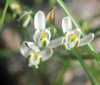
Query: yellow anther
(35,55)
(42,36)
(73,37)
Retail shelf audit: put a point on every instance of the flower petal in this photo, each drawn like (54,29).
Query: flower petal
(66,46)
(48,34)
(56,42)
(25,24)
(24,49)
(32,46)
(74,43)
(23,15)
(46,54)
(67,37)
(43,43)
(77,32)
(39,20)
(36,35)
(85,40)
(32,62)
(66,24)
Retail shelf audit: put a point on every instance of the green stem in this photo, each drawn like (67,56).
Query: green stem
(67,11)
(4,14)
(94,54)
(91,76)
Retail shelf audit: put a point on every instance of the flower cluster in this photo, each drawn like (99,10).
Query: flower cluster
(41,49)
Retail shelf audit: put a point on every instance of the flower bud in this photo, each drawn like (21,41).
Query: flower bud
(16,7)
(25,18)
(50,17)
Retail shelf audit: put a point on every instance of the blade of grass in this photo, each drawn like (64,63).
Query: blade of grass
(91,76)
(6,53)
(4,14)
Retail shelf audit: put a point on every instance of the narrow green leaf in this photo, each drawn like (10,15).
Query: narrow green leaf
(4,14)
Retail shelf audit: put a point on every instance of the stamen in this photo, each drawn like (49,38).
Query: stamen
(42,36)
(35,55)
(73,37)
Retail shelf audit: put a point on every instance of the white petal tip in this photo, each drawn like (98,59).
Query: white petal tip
(41,12)
(39,20)
(92,35)
(66,24)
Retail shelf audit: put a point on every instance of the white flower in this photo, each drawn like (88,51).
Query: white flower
(32,52)
(72,37)
(42,35)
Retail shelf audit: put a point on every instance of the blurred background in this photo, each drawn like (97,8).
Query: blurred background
(63,68)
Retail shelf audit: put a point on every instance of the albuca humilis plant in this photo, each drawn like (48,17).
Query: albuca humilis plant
(42,39)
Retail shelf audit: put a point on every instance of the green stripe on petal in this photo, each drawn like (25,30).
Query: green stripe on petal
(48,34)
(43,43)
(36,35)
(74,43)
(66,47)
(33,62)
(77,42)
(27,20)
